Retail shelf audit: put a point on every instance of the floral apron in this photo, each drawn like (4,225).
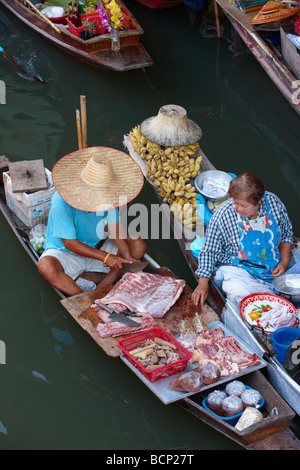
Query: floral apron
(259,245)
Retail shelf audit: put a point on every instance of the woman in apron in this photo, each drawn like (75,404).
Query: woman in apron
(251,231)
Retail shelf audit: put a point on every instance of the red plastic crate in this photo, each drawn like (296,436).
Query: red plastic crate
(125,20)
(93,18)
(128,344)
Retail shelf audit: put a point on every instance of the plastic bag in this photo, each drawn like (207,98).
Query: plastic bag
(187,337)
(196,246)
(249,417)
(294,266)
(37,238)
(203,212)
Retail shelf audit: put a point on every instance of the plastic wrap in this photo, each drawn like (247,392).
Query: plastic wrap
(249,416)
(251,397)
(210,373)
(232,405)
(235,388)
(187,337)
(188,381)
(214,401)
(37,238)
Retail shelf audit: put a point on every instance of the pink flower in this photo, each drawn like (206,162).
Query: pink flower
(103,17)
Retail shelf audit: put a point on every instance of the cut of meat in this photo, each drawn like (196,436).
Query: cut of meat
(224,351)
(145,293)
(114,328)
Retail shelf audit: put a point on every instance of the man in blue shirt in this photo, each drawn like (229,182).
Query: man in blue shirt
(90,184)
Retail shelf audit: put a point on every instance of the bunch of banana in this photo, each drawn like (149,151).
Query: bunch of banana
(170,169)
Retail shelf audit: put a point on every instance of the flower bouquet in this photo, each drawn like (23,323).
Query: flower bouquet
(113,19)
(112,16)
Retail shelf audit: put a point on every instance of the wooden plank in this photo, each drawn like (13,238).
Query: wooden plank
(79,306)
(290,54)
(27,175)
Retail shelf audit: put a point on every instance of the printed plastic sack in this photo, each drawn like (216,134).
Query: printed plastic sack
(37,238)
(203,212)
(294,266)
(196,246)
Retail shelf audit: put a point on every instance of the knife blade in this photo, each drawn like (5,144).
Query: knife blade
(119,317)
(134,267)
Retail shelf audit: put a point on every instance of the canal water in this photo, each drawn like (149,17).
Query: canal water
(59,390)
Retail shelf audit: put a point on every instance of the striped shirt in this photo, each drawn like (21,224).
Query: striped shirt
(222,236)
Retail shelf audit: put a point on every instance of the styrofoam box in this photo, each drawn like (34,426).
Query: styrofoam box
(31,208)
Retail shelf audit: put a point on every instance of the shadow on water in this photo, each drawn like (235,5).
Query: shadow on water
(59,390)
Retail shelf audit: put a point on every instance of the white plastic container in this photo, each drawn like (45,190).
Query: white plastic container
(31,208)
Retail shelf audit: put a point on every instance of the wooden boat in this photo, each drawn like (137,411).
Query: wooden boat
(158,4)
(275,66)
(288,388)
(272,433)
(95,51)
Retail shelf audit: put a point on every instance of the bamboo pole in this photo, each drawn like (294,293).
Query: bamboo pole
(79,133)
(83,120)
(43,16)
(9,57)
(217,18)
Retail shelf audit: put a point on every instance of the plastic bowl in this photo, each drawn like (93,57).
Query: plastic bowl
(218,179)
(282,339)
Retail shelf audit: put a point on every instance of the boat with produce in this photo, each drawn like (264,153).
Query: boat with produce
(175,192)
(97,51)
(166,329)
(266,28)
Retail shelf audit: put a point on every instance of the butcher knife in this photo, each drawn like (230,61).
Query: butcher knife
(119,316)
(134,267)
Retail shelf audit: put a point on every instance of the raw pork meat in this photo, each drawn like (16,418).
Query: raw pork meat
(224,351)
(145,293)
(114,328)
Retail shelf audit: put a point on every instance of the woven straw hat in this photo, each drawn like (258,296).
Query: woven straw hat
(97,179)
(171,127)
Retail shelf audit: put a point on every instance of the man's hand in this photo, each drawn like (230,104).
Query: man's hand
(115,262)
(201,291)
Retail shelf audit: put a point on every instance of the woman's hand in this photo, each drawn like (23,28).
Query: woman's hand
(201,291)
(279,269)
(285,257)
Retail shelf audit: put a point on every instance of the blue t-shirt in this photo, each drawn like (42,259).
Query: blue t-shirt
(66,222)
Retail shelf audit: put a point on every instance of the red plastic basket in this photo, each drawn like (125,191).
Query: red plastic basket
(128,344)
(93,18)
(125,20)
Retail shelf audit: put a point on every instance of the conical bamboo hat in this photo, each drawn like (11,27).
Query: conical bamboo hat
(97,179)
(171,127)
(274,11)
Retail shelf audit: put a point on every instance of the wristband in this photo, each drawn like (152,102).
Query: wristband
(105,259)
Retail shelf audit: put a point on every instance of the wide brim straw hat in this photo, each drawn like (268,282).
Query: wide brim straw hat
(97,179)
(171,127)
